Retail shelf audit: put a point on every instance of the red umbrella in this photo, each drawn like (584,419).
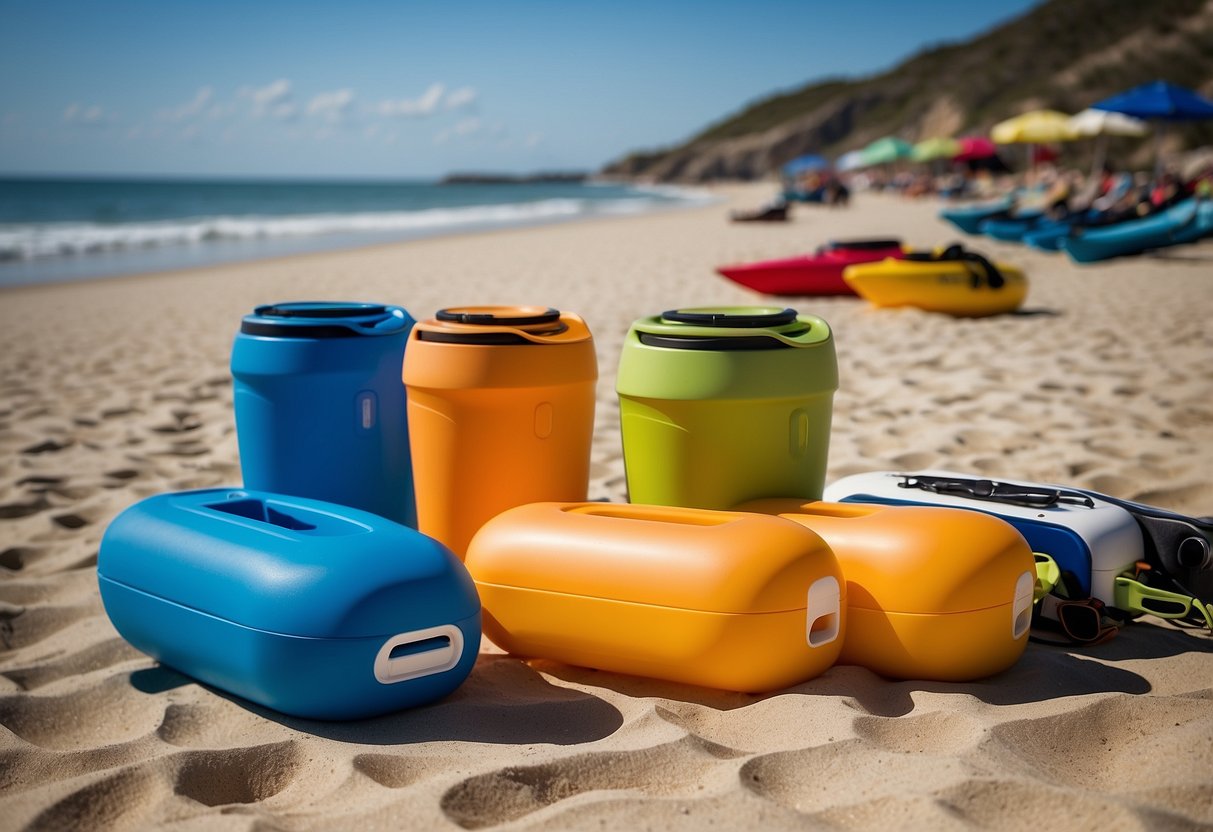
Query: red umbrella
(975,147)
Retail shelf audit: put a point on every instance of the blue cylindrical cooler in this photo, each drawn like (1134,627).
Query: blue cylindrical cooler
(320,407)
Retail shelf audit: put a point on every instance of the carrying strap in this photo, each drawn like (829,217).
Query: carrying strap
(981,270)
(1032,496)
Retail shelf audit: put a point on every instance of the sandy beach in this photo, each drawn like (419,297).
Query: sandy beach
(114,390)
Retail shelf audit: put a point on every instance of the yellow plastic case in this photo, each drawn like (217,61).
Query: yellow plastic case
(735,601)
(932,593)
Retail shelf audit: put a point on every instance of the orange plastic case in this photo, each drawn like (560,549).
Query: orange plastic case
(932,593)
(501,413)
(720,599)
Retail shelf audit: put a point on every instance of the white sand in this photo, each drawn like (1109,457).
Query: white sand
(114,390)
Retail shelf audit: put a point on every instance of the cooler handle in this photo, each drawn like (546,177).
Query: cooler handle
(661,514)
(1021,609)
(419,653)
(823,611)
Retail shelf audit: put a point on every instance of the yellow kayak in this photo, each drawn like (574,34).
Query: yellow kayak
(953,282)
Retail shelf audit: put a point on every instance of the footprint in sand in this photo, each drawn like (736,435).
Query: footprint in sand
(104,654)
(47,447)
(933,733)
(16,558)
(814,779)
(121,801)
(395,771)
(680,767)
(1102,745)
(1036,805)
(237,775)
(22,626)
(15,511)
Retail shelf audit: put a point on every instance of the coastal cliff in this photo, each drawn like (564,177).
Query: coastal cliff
(1064,54)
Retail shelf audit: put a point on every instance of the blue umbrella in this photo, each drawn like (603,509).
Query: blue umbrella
(804,164)
(1159,101)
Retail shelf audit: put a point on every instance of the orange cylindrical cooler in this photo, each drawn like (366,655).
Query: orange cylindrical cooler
(932,593)
(501,413)
(735,601)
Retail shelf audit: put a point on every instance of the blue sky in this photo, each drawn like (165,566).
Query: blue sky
(416,89)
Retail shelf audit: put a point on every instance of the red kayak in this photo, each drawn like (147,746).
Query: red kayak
(812,274)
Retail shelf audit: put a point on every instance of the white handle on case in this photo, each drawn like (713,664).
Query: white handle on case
(1021,609)
(444,655)
(824,605)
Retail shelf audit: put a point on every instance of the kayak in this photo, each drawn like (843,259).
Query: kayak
(1048,236)
(968,218)
(1201,226)
(811,274)
(1179,223)
(1013,228)
(793,195)
(965,286)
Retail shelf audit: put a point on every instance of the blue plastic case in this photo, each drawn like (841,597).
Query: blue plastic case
(306,607)
(320,405)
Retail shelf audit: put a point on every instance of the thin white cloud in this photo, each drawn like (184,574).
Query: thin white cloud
(469,128)
(459,98)
(274,99)
(332,106)
(426,105)
(191,108)
(91,114)
(533,140)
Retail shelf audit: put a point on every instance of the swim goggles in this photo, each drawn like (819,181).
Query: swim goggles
(1084,621)
(1135,596)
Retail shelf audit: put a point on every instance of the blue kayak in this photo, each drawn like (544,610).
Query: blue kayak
(792,195)
(968,218)
(1013,228)
(1202,225)
(1167,227)
(1048,236)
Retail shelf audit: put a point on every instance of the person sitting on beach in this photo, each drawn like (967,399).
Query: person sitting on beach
(1057,198)
(1165,192)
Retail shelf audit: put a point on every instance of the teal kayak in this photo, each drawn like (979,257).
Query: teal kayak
(1201,227)
(1168,227)
(969,218)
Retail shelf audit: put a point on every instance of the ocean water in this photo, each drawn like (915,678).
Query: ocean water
(69,229)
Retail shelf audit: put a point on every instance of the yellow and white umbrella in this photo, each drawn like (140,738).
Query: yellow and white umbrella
(1099,124)
(1035,127)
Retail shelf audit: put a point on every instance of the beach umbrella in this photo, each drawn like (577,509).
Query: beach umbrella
(849,161)
(1092,122)
(1035,127)
(936,148)
(1159,101)
(975,147)
(886,150)
(1099,124)
(804,164)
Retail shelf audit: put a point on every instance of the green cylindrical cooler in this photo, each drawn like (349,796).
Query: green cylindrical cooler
(725,404)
